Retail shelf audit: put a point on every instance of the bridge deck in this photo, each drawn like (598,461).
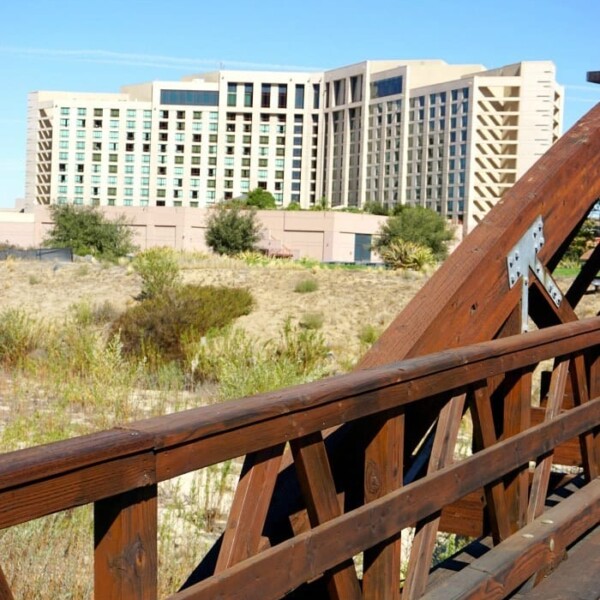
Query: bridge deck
(577,578)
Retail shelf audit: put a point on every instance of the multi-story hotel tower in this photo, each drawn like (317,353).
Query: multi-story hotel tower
(449,137)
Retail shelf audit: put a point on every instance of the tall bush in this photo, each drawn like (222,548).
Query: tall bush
(87,231)
(231,230)
(419,225)
(159,327)
(159,270)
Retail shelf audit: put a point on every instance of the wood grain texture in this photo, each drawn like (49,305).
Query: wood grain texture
(539,545)
(125,557)
(577,577)
(383,474)
(242,535)
(442,454)
(453,308)
(309,554)
(318,490)
(75,488)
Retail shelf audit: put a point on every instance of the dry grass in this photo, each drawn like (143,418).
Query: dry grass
(355,305)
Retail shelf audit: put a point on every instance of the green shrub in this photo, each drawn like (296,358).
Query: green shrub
(306,347)
(86,314)
(20,334)
(158,328)
(87,231)
(261,199)
(583,241)
(159,270)
(400,254)
(311,321)
(369,334)
(231,230)
(243,367)
(305,286)
(418,225)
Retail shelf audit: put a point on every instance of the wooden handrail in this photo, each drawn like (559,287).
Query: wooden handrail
(182,442)
(329,544)
(118,469)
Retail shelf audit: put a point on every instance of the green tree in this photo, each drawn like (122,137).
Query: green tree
(583,241)
(261,199)
(231,230)
(376,208)
(87,231)
(419,225)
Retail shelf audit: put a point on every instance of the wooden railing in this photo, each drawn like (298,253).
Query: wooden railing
(118,470)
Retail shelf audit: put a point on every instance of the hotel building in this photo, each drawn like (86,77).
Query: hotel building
(452,138)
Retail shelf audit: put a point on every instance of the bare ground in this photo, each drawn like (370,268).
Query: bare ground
(346,299)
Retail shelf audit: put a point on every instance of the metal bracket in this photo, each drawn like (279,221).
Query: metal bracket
(521,259)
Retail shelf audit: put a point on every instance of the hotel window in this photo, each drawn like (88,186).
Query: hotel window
(248,93)
(130,125)
(316,95)
(299,100)
(64,110)
(282,96)
(231,94)
(265,95)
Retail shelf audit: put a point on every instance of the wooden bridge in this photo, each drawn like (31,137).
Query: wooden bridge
(335,471)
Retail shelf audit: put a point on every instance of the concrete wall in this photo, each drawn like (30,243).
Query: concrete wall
(327,236)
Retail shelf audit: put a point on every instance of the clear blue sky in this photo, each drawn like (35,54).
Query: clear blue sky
(86,45)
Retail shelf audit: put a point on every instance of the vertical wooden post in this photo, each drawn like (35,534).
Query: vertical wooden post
(125,559)
(590,442)
(517,418)
(383,474)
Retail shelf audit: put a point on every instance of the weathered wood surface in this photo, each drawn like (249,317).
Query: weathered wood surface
(575,578)
(308,554)
(539,545)
(189,440)
(125,538)
(454,309)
